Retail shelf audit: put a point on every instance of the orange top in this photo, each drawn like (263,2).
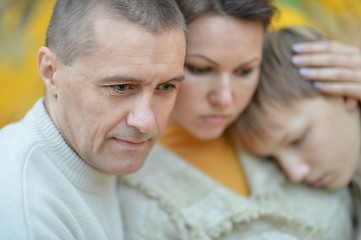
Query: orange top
(216,158)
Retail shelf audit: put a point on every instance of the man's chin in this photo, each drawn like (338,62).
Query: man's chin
(130,164)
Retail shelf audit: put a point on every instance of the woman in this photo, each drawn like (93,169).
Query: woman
(195,183)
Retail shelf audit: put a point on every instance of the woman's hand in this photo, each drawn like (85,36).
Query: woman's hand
(335,68)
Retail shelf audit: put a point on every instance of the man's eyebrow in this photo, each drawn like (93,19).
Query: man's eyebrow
(127,79)
(118,78)
(176,79)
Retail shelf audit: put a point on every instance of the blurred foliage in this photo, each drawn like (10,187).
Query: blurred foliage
(23,25)
(339,19)
(22,32)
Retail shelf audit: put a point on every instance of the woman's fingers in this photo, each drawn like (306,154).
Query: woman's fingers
(352,90)
(333,74)
(326,54)
(334,67)
(325,46)
(328,60)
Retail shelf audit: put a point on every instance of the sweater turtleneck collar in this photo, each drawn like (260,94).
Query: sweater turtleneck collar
(80,173)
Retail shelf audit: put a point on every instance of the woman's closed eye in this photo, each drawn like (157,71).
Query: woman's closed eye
(243,72)
(197,70)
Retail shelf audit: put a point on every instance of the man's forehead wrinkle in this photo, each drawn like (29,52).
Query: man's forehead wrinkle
(147,57)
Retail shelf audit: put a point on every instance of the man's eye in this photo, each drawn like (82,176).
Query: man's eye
(167,87)
(244,72)
(122,87)
(197,70)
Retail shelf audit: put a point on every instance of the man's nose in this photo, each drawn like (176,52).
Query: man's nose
(294,166)
(142,118)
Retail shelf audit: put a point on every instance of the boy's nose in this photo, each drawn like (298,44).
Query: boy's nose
(295,168)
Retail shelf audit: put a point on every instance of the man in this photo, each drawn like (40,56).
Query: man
(111,69)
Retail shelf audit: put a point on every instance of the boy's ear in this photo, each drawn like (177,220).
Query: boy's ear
(351,103)
(46,69)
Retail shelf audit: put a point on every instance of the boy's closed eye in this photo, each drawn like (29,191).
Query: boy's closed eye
(299,140)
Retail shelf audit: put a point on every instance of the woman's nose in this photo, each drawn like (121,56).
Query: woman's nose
(222,95)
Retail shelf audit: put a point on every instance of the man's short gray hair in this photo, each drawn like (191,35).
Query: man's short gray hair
(70,32)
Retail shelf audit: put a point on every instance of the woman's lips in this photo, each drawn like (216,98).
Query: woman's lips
(215,119)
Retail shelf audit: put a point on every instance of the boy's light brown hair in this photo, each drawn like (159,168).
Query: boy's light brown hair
(280,85)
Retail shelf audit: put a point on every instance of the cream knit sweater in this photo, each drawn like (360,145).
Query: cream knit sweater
(356,194)
(47,191)
(170,199)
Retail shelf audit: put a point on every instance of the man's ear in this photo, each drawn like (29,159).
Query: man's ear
(351,103)
(46,69)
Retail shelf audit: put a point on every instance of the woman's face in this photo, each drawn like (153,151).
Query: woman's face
(221,73)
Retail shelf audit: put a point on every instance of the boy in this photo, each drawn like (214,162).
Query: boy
(315,138)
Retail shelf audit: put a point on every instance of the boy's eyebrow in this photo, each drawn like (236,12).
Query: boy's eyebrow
(299,126)
(284,138)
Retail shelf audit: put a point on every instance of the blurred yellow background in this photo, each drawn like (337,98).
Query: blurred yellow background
(23,25)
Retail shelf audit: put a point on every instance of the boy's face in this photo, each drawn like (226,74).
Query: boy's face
(316,140)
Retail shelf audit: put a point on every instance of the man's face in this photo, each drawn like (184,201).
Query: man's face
(112,105)
(317,141)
